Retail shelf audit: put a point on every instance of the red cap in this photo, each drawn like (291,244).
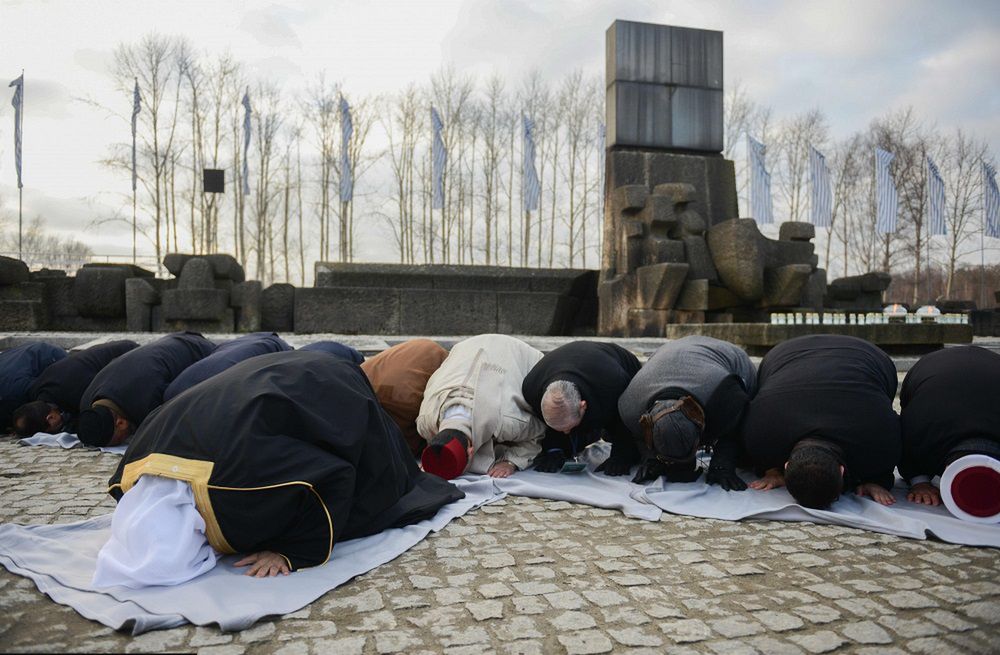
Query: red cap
(976,491)
(449,463)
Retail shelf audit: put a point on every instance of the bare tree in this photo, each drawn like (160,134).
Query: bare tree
(962,183)
(794,137)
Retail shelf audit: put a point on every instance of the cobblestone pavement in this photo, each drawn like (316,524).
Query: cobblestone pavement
(535,576)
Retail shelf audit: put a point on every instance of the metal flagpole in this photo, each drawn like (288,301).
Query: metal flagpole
(982,238)
(20,188)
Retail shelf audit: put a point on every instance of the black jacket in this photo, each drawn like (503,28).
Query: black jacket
(948,396)
(289,452)
(20,366)
(830,387)
(136,380)
(64,383)
(601,371)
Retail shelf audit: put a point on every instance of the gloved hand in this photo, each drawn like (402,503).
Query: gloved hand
(649,470)
(550,462)
(725,477)
(616,465)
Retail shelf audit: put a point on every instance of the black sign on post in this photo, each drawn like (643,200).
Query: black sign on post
(214,180)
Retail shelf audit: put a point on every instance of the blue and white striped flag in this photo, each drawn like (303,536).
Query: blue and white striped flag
(346,170)
(136,107)
(439,158)
(991,202)
(246,142)
(532,188)
(821,202)
(935,200)
(886,198)
(18,104)
(760,183)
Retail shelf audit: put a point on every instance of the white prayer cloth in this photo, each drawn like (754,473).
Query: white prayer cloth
(157,538)
(65,440)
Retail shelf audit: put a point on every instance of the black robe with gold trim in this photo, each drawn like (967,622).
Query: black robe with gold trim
(288,452)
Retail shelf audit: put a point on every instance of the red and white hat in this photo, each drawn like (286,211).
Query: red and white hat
(970,488)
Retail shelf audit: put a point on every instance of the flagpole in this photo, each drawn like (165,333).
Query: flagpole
(982,236)
(20,187)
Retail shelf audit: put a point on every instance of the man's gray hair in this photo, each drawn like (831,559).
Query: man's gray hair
(561,404)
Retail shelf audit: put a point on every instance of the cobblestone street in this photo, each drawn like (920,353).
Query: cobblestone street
(537,576)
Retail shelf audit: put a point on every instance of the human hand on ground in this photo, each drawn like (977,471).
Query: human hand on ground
(501,470)
(648,471)
(772,479)
(924,493)
(264,564)
(615,466)
(877,492)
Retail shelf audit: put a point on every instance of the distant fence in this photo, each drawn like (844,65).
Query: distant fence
(70,263)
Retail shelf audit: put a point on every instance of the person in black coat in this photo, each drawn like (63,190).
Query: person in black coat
(288,454)
(822,420)
(950,409)
(19,368)
(227,354)
(56,393)
(575,389)
(336,349)
(125,391)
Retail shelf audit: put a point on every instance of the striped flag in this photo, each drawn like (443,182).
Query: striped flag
(246,141)
(136,107)
(346,170)
(821,203)
(935,200)
(760,183)
(18,103)
(532,188)
(991,202)
(439,158)
(886,198)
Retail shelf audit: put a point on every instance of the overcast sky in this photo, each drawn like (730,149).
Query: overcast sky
(854,60)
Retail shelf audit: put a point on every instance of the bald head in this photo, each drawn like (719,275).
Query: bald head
(562,407)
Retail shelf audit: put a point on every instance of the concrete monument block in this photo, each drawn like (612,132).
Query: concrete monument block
(615,297)
(796,231)
(629,198)
(224,267)
(429,312)
(664,86)
(694,296)
(815,290)
(535,313)
(99,291)
(277,308)
(31,291)
(140,298)
(720,297)
(738,251)
(22,315)
(699,259)
(347,310)
(196,274)
(131,269)
(245,299)
(12,271)
(660,284)
(195,305)
(783,286)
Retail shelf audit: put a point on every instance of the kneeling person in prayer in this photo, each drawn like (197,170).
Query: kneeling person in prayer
(692,393)
(473,415)
(575,389)
(951,428)
(822,420)
(278,458)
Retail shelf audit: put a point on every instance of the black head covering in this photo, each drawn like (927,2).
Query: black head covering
(673,435)
(96,426)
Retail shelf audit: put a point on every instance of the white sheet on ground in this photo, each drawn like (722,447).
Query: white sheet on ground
(61,560)
(904,518)
(65,440)
(585,487)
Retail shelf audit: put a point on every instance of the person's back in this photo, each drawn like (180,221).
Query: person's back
(65,382)
(949,410)
(832,389)
(287,452)
(337,349)
(19,368)
(399,376)
(125,391)
(225,355)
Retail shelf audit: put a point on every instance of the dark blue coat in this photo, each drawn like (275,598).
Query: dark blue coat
(19,366)
(135,382)
(226,355)
(337,350)
(64,383)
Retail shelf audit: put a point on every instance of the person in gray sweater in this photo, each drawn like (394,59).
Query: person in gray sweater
(691,394)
